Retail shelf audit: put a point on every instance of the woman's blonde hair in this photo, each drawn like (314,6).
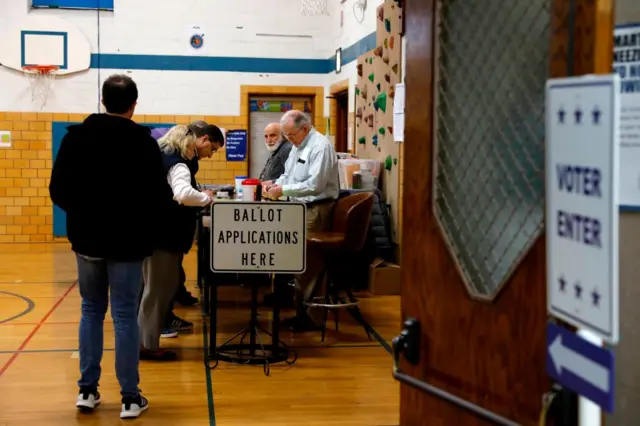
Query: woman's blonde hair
(177,140)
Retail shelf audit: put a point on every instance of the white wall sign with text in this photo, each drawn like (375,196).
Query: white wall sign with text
(626,63)
(582,161)
(258,237)
(5,139)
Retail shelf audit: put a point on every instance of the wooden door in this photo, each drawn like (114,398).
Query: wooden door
(342,121)
(489,352)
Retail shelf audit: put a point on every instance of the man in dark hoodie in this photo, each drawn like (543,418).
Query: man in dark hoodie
(109,179)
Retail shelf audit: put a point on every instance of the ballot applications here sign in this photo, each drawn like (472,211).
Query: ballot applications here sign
(268,237)
(582,121)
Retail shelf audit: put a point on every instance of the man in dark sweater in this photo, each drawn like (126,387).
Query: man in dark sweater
(108,177)
(279,149)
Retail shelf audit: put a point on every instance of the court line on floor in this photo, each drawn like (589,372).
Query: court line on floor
(30,306)
(207,374)
(37,282)
(51,351)
(35,330)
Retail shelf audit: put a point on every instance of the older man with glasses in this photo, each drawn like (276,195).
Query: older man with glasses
(310,177)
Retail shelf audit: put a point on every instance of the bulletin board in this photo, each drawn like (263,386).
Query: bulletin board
(378,72)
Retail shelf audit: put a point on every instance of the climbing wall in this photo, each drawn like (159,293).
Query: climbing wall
(378,73)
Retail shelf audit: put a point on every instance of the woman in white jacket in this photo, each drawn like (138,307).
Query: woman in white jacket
(161,271)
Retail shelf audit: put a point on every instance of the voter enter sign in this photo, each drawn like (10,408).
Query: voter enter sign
(255,237)
(582,172)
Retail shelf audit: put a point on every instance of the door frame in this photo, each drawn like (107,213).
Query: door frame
(316,93)
(339,88)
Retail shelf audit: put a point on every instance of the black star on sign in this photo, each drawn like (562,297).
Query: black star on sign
(563,283)
(578,115)
(596,297)
(561,114)
(578,288)
(596,115)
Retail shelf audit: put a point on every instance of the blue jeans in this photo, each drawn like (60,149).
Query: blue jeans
(95,277)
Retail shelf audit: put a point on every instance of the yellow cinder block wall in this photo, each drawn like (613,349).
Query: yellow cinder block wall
(26,211)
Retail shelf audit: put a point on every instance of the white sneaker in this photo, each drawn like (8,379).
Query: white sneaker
(133,407)
(87,400)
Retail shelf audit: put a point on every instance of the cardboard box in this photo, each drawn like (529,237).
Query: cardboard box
(384,278)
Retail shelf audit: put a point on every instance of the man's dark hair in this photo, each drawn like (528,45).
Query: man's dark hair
(201,128)
(119,93)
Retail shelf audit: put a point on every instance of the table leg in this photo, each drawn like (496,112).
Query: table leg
(213,318)
(275,321)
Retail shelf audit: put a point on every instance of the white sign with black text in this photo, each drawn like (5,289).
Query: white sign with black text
(582,174)
(626,63)
(258,237)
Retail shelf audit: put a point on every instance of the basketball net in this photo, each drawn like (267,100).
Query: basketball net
(314,7)
(40,79)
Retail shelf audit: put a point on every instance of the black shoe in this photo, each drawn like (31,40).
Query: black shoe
(178,324)
(284,301)
(186,299)
(300,324)
(159,355)
(88,399)
(133,407)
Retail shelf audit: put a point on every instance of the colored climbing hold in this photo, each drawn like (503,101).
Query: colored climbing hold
(378,86)
(364,91)
(359,67)
(394,68)
(395,161)
(381,102)
(357,90)
(359,112)
(387,25)
(375,106)
(382,131)
(379,150)
(387,78)
(391,42)
(378,51)
(385,57)
(388,163)
(371,77)
(390,129)
(375,140)
(370,120)
(392,92)
(386,43)
(371,60)
(381,13)
(362,140)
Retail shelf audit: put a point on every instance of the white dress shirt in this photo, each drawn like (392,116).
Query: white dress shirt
(311,171)
(179,178)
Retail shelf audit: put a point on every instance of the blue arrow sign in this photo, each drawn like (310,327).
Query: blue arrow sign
(578,365)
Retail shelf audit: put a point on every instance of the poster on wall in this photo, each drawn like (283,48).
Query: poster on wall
(236,145)
(626,63)
(195,40)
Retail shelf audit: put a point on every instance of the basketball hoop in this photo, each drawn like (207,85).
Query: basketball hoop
(40,79)
(314,7)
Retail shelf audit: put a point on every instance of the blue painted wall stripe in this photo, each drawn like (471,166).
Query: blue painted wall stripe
(75,4)
(230,63)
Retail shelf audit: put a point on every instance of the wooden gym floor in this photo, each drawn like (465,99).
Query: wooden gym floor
(347,382)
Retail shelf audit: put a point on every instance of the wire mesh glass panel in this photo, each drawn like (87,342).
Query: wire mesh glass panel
(489,171)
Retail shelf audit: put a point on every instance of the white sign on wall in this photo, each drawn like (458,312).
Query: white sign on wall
(258,237)
(5,139)
(582,161)
(626,63)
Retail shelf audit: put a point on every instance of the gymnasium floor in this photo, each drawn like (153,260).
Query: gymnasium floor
(347,382)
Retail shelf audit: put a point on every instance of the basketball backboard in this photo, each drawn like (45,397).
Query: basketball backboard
(45,40)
